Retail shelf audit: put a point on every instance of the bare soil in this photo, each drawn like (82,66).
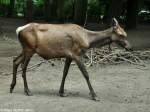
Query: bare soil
(121,88)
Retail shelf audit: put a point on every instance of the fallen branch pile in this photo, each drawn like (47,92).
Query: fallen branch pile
(115,56)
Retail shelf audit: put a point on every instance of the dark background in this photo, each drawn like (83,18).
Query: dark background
(129,12)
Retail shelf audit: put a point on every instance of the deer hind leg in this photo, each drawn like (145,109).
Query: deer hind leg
(25,63)
(16,62)
(65,72)
(86,76)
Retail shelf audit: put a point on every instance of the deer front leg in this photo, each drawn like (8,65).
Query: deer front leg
(65,72)
(86,76)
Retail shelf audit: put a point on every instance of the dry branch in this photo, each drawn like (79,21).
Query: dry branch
(115,56)
(29,68)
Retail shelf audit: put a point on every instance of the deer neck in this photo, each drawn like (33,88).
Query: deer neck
(99,39)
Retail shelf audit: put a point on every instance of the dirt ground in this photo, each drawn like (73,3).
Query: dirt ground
(121,88)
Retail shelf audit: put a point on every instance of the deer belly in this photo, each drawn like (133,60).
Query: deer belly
(51,53)
(53,47)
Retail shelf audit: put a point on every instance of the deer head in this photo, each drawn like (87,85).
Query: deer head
(119,36)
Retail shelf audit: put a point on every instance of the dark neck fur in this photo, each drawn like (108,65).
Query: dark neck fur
(99,39)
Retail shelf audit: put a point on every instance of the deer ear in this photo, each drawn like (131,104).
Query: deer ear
(114,22)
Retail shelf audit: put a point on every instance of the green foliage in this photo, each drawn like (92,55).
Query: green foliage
(144,15)
(19,8)
(21,5)
(38,3)
(94,9)
(6,2)
(68,8)
(38,8)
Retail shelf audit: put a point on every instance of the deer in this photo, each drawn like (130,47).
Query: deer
(69,41)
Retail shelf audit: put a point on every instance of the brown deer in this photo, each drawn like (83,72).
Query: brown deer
(68,41)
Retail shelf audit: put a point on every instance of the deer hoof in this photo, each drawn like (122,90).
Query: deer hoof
(12,87)
(28,93)
(63,94)
(96,98)
(11,90)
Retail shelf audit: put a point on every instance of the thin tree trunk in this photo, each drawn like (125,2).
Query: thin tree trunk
(80,11)
(132,11)
(4,7)
(50,10)
(113,9)
(1,7)
(29,10)
(60,11)
(47,10)
(11,8)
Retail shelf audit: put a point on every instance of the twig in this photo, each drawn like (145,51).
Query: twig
(29,68)
(127,60)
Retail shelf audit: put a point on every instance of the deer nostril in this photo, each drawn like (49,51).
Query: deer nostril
(129,49)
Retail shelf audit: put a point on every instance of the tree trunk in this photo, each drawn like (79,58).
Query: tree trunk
(80,11)
(113,9)
(1,7)
(29,10)
(4,7)
(47,10)
(132,11)
(50,10)
(60,11)
(11,8)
